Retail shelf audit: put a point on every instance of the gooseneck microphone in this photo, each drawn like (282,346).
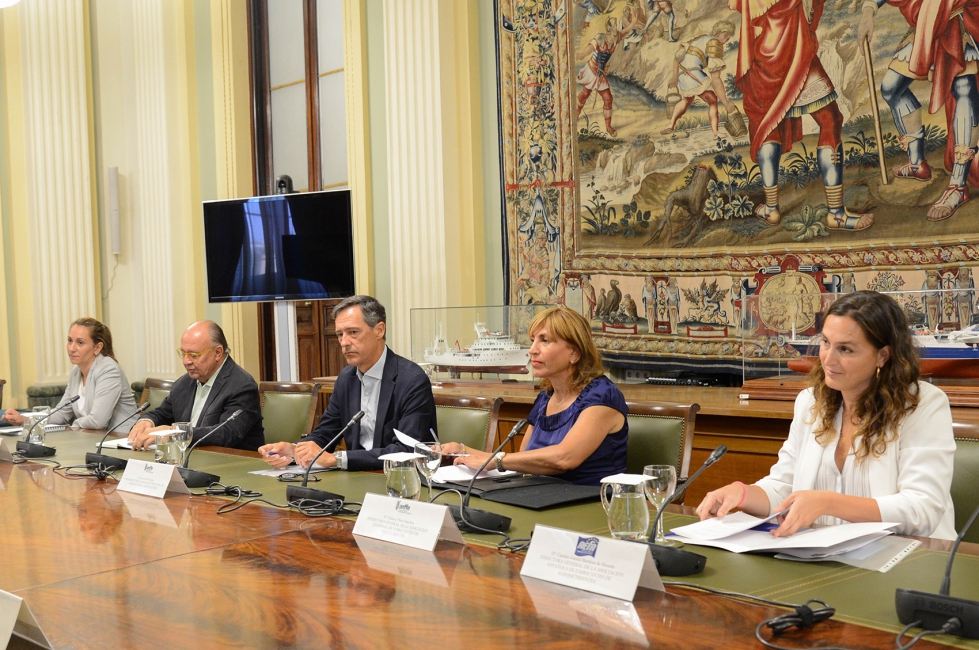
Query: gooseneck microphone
(675,561)
(471,519)
(941,611)
(33,450)
(296,493)
(192,478)
(111,462)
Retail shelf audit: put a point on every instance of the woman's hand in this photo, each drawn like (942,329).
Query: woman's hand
(474,459)
(13,417)
(804,508)
(721,501)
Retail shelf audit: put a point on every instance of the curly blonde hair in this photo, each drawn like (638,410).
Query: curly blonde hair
(572,328)
(893,392)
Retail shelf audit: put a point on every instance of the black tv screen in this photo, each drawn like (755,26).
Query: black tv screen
(283,247)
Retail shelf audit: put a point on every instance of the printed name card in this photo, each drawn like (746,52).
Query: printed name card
(5,455)
(403,521)
(151,479)
(15,616)
(610,567)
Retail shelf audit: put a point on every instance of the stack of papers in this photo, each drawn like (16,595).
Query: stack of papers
(16,431)
(742,533)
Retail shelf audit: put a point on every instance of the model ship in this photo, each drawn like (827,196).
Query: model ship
(952,354)
(493,352)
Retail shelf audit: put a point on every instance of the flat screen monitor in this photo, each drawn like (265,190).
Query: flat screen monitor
(283,247)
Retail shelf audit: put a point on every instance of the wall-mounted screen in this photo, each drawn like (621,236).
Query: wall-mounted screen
(283,247)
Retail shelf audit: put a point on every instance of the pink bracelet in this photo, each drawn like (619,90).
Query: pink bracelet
(744,493)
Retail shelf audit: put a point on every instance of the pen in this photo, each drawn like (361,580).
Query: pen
(272,453)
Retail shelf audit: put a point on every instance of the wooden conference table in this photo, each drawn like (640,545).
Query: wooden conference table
(103,568)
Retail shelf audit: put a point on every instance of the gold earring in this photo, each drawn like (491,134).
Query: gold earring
(878,372)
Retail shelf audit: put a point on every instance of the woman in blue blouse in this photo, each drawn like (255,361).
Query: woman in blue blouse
(578,423)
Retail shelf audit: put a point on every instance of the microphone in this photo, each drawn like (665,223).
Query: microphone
(675,561)
(107,462)
(33,450)
(940,611)
(192,478)
(471,519)
(296,493)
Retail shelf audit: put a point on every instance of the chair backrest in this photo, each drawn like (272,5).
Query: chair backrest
(288,409)
(469,420)
(661,434)
(155,391)
(965,478)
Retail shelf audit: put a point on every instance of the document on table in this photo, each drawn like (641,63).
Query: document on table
(463,473)
(716,528)
(826,540)
(121,443)
(290,469)
(878,555)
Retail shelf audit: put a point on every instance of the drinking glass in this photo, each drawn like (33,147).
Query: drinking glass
(38,416)
(181,437)
(165,448)
(402,479)
(628,515)
(659,487)
(431,459)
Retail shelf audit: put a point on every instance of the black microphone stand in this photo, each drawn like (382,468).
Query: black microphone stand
(297,493)
(193,478)
(111,462)
(34,450)
(675,561)
(472,519)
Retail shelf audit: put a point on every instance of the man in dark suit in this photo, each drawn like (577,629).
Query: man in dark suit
(211,391)
(393,392)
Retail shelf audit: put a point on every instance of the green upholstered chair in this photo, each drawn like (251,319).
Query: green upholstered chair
(661,434)
(155,391)
(965,477)
(469,420)
(288,409)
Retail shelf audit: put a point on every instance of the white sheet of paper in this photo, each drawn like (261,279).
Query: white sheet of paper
(715,528)
(400,456)
(151,479)
(405,439)
(463,473)
(610,567)
(810,538)
(121,443)
(402,521)
(16,615)
(288,469)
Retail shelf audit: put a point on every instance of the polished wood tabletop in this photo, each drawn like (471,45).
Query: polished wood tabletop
(99,568)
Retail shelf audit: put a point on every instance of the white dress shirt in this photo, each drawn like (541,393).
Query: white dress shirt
(203,390)
(370,391)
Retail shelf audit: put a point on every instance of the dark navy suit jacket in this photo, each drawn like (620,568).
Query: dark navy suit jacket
(405,403)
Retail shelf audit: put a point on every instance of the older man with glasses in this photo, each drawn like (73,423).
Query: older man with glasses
(211,391)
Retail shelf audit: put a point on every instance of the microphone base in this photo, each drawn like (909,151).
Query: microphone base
(675,561)
(194,479)
(107,462)
(295,493)
(934,610)
(31,450)
(481,518)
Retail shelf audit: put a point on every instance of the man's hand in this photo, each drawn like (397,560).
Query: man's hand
(306,451)
(141,435)
(278,454)
(13,417)
(865,28)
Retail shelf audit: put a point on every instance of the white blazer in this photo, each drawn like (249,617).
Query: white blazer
(108,398)
(911,480)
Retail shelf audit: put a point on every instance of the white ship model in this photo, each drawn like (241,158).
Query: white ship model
(492,352)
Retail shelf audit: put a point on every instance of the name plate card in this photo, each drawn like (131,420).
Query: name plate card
(15,616)
(5,455)
(610,567)
(402,521)
(151,479)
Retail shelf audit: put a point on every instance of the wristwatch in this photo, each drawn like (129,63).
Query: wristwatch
(341,458)
(498,460)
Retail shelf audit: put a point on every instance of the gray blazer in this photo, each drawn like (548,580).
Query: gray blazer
(108,398)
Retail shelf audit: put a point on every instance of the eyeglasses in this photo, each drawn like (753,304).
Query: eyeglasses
(194,356)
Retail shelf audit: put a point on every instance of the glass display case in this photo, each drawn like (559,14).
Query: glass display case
(779,332)
(489,342)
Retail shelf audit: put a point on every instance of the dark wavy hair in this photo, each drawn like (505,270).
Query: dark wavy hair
(571,327)
(893,392)
(99,333)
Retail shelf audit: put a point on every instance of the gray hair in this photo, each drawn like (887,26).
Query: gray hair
(372,311)
(217,337)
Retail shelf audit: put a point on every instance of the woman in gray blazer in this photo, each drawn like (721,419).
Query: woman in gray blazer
(105,393)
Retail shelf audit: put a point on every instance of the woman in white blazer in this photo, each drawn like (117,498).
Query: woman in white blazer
(868,441)
(96,377)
